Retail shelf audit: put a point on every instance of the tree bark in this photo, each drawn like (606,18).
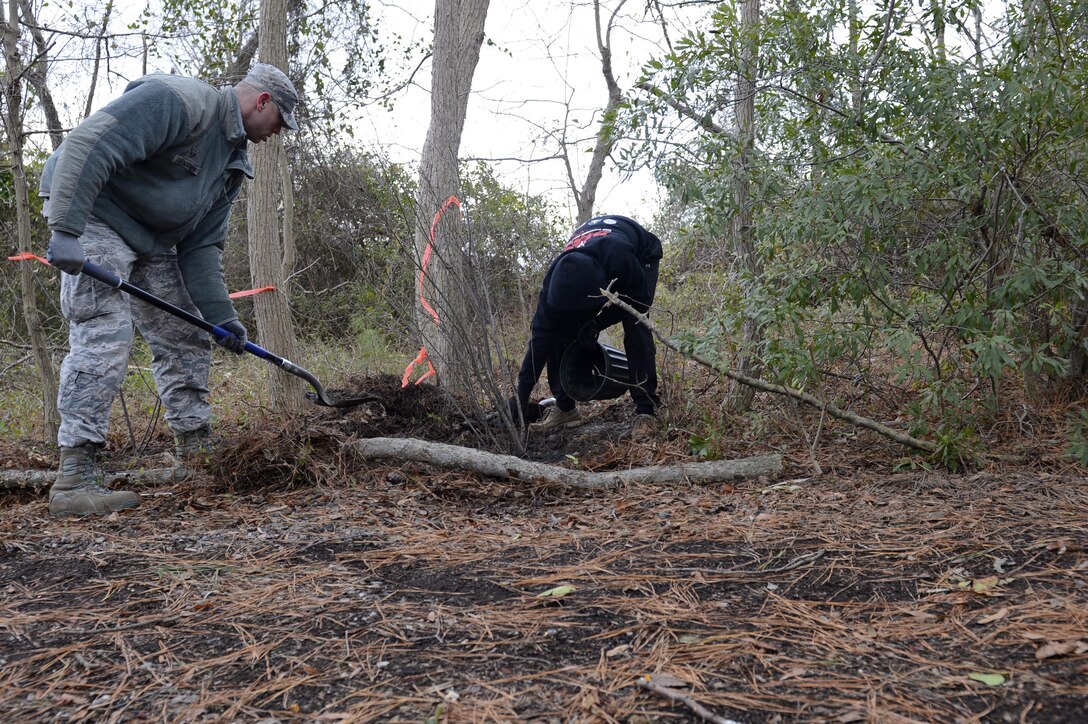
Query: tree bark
(506,467)
(451,342)
(740,396)
(12,88)
(270,252)
(586,198)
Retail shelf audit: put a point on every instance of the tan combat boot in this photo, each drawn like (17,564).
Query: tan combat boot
(195,446)
(556,419)
(643,428)
(78,490)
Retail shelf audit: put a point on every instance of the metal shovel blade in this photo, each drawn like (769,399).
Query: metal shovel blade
(320,396)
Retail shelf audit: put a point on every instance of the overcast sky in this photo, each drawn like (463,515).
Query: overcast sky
(544,57)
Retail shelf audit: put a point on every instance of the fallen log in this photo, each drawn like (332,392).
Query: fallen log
(42,479)
(506,467)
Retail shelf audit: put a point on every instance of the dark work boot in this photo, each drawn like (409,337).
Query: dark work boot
(78,488)
(195,446)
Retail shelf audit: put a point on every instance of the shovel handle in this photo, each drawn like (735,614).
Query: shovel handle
(111,279)
(320,396)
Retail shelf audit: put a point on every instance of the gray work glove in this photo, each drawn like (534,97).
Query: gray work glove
(65,253)
(237,343)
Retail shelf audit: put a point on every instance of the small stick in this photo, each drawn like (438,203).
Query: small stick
(687,701)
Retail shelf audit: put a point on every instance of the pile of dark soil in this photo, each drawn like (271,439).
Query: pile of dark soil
(424,411)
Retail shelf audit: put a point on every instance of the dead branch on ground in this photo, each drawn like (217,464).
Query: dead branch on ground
(508,466)
(42,479)
(681,698)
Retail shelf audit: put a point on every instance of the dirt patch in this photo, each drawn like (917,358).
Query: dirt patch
(288,580)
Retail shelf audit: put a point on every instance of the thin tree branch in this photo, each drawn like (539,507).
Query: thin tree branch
(97,60)
(681,698)
(684,109)
(832,410)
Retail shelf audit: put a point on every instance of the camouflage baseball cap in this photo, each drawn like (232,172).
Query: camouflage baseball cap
(265,77)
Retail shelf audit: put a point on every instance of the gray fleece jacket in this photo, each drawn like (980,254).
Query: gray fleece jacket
(161,165)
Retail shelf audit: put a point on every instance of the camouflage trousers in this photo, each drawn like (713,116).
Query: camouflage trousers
(100,334)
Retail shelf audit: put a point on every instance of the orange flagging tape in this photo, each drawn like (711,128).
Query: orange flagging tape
(27,256)
(251,292)
(420,359)
(451,201)
(422,356)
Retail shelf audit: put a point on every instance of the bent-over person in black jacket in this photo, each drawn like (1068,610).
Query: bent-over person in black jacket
(605,250)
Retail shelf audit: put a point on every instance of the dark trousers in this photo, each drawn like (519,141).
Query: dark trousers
(552,333)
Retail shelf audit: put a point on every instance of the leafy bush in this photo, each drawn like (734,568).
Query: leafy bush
(918,201)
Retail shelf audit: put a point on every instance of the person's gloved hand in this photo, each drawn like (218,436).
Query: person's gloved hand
(237,343)
(65,253)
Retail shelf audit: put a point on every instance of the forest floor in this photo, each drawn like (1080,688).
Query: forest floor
(288,580)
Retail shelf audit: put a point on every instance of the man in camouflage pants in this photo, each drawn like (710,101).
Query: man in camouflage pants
(144,188)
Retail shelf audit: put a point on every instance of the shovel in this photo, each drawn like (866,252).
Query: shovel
(319,396)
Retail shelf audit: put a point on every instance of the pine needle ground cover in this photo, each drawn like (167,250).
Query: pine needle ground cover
(290,581)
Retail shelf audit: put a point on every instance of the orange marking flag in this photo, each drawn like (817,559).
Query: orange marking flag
(427,253)
(420,359)
(27,256)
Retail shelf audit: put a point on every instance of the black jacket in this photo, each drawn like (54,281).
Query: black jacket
(622,247)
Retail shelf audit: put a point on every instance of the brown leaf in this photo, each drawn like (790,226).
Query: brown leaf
(1061,546)
(923,615)
(1060,648)
(995,616)
(795,672)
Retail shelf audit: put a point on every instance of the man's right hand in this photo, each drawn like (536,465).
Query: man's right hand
(237,342)
(65,253)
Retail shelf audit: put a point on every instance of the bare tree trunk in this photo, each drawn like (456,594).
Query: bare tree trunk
(14,127)
(740,396)
(36,76)
(458,35)
(976,13)
(587,196)
(939,25)
(855,63)
(1078,359)
(269,251)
